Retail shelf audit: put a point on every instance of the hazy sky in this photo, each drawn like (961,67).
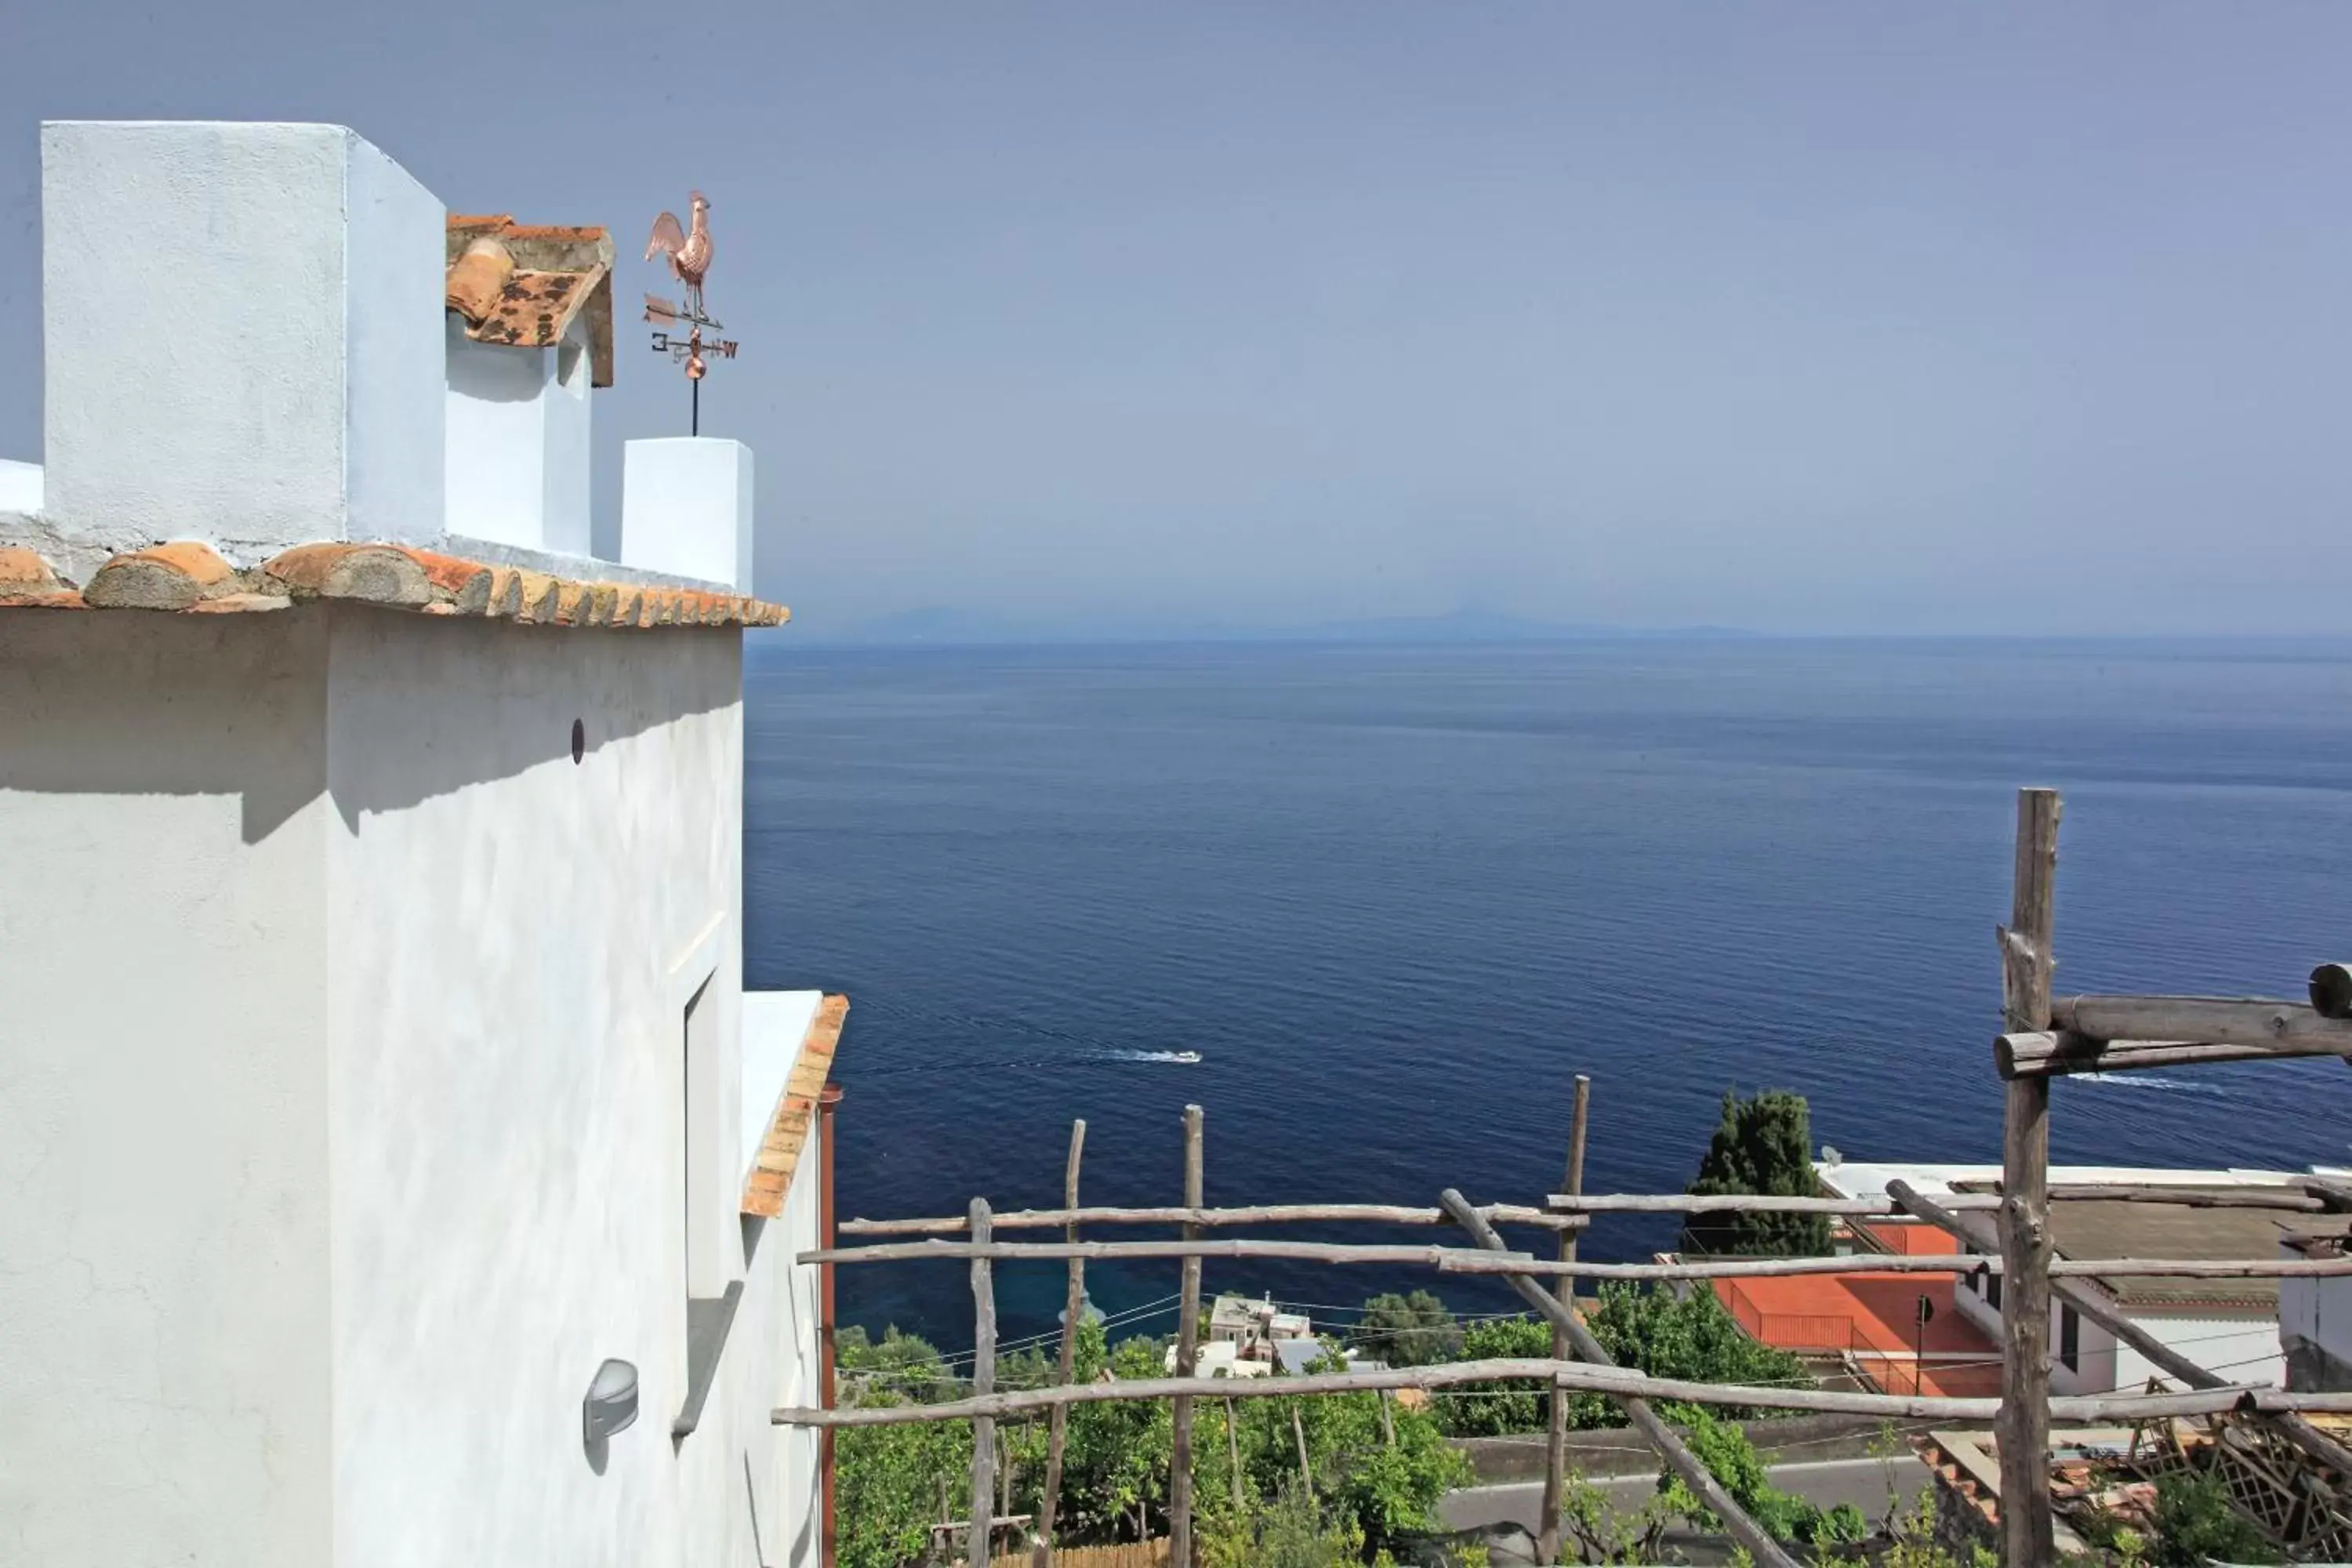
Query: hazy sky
(1860,317)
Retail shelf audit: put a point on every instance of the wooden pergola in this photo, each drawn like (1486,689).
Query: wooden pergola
(2044,1037)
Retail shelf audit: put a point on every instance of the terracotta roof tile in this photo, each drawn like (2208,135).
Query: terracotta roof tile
(161,577)
(23,571)
(779,1152)
(379,573)
(476,279)
(239,603)
(189,577)
(26,580)
(523,285)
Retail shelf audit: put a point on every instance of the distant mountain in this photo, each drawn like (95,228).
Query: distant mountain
(941,626)
(1483,626)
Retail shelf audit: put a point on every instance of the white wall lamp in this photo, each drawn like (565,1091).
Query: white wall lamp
(612,1403)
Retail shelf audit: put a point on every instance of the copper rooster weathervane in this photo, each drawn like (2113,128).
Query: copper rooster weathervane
(690,258)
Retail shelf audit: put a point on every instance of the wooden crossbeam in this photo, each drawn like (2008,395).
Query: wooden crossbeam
(1467,1260)
(2285,1195)
(1578,1377)
(1214,1219)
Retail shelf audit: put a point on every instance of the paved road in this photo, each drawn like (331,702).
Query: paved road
(1826,1482)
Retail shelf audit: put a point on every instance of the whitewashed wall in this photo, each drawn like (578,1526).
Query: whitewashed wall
(165,1288)
(2239,1349)
(340,1104)
(519,424)
(2242,1350)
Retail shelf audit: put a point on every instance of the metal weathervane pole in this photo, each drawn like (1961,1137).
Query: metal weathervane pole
(688,252)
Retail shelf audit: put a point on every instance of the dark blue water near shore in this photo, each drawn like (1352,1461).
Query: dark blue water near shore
(1396,897)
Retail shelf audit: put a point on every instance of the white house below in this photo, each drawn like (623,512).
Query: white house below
(2230,1327)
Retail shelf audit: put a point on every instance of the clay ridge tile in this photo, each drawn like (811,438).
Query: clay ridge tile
(172,576)
(478,279)
(190,577)
(780,1150)
(26,582)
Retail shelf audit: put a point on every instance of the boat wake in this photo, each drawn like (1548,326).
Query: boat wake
(2138,1081)
(1104,1056)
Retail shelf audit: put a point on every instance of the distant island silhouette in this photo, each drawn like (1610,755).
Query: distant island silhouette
(943,625)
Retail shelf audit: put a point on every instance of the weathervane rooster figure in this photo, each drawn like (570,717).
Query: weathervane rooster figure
(688,253)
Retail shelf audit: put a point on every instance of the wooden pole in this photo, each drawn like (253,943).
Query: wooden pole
(1233,1455)
(1611,1381)
(2331,990)
(1767,1552)
(1305,1471)
(2218,1020)
(1261,1213)
(1555,1492)
(1187,1362)
(1058,1430)
(983,1383)
(2027,1526)
(2052,1053)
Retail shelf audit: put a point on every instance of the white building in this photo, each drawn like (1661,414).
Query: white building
(1253,1325)
(1218,1358)
(2315,1320)
(2230,1327)
(376,1074)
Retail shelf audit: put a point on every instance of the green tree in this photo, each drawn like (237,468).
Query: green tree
(1733,1461)
(1651,1330)
(895,1481)
(1408,1331)
(905,1363)
(1114,1467)
(1381,1476)
(1764,1146)
(1685,1337)
(1373,1480)
(1491,1409)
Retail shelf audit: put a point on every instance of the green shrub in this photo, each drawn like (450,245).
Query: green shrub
(1491,1409)
(1287,1531)
(2195,1522)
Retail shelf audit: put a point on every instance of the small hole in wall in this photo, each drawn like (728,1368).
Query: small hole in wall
(579,739)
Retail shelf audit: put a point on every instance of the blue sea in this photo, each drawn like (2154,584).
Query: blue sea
(1396,897)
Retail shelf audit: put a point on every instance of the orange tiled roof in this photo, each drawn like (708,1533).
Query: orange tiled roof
(780,1152)
(192,579)
(1870,1314)
(523,285)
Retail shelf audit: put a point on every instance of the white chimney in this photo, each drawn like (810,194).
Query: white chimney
(686,508)
(243,337)
(529,332)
